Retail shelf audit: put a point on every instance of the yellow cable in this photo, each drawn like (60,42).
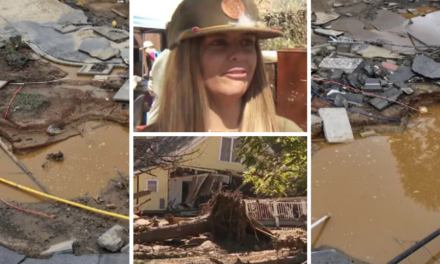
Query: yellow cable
(65,201)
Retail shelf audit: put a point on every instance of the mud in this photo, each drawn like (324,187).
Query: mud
(31,234)
(206,250)
(66,104)
(382,193)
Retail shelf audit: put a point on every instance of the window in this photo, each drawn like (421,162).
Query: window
(152,185)
(228,151)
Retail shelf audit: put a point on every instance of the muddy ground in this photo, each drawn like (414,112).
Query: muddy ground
(99,12)
(31,234)
(202,249)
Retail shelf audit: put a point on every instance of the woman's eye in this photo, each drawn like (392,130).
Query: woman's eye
(248,42)
(218,43)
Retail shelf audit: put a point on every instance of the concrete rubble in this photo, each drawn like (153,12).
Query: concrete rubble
(63,247)
(113,239)
(374,63)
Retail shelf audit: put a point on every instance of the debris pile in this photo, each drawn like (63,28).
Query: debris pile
(378,79)
(223,224)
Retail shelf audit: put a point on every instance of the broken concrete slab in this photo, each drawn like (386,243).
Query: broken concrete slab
(348,65)
(73,18)
(125,54)
(3,84)
(426,67)
(403,74)
(341,101)
(372,85)
(95,69)
(356,99)
(123,93)
(113,34)
(380,104)
(65,259)
(323,18)
(368,133)
(407,90)
(98,48)
(63,247)
(328,32)
(371,51)
(336,5)
(66,29)
(10,257)
(329,256)
(337,128)
(121,258)
(126,249)
(112,239)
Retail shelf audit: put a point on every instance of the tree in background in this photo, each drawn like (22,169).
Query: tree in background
(275,166)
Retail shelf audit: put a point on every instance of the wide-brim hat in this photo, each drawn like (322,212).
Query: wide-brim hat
(194,18)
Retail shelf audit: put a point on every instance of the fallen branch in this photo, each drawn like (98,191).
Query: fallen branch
(144,202)
(141,194)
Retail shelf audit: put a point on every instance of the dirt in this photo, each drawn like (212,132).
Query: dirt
(99,12)
(378,187)
(31,234)
(33,71)
(204,249)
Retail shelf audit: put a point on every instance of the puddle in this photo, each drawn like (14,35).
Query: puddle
(383,193)
(88,164)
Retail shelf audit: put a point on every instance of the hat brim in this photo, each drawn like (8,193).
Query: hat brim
(260,32)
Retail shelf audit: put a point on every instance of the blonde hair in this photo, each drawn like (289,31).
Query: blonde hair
(184,104)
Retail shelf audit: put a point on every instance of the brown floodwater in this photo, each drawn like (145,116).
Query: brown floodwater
(88,165)
(383,193)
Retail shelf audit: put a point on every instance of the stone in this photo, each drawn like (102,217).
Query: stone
(426,67)
(337,128)
(65,259)
(348,14)
(126,249)
(112,239)
(407,90)
(63,247)
(336,5)
(316,125)
(10,257)
(98,48)
(121,258)
(348,65)
(380,104)
(371,51)
(372,85)
(341,101)
(125,55)
(413,11)
(368,133)
(368,70)
(337,75)
(197,240)
(323,18)
(3,84)
(328,32)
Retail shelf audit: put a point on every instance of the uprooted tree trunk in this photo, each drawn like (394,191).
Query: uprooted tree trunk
(225,218)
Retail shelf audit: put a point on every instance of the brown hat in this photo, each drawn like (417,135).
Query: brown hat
(194,18)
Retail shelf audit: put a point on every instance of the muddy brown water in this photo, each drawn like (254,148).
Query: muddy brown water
(383,193)
(88,164)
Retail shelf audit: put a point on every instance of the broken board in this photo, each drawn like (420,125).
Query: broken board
(93,69)
(123,93)
(337,128)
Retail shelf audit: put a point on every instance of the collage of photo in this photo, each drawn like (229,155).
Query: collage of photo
(219,132)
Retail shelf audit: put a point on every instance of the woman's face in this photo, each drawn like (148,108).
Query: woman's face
(228,63)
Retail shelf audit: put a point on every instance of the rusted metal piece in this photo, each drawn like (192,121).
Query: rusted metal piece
(291,89)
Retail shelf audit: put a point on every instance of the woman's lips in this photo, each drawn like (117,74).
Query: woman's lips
(236,73)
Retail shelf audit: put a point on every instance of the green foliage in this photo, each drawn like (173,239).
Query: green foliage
(276,166)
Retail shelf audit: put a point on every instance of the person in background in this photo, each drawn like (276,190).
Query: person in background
(214,78)
(150,56)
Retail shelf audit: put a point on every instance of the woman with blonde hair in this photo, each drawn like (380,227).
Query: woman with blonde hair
(214,78)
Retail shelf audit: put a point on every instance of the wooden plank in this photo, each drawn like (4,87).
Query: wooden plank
(119,13)
(141,194)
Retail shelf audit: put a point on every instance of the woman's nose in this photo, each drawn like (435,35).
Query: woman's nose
(236,53)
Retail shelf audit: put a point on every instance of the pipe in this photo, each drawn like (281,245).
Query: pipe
(64,201)
(415,247)
(321,220)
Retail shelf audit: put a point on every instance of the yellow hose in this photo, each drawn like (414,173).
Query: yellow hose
(64,201)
